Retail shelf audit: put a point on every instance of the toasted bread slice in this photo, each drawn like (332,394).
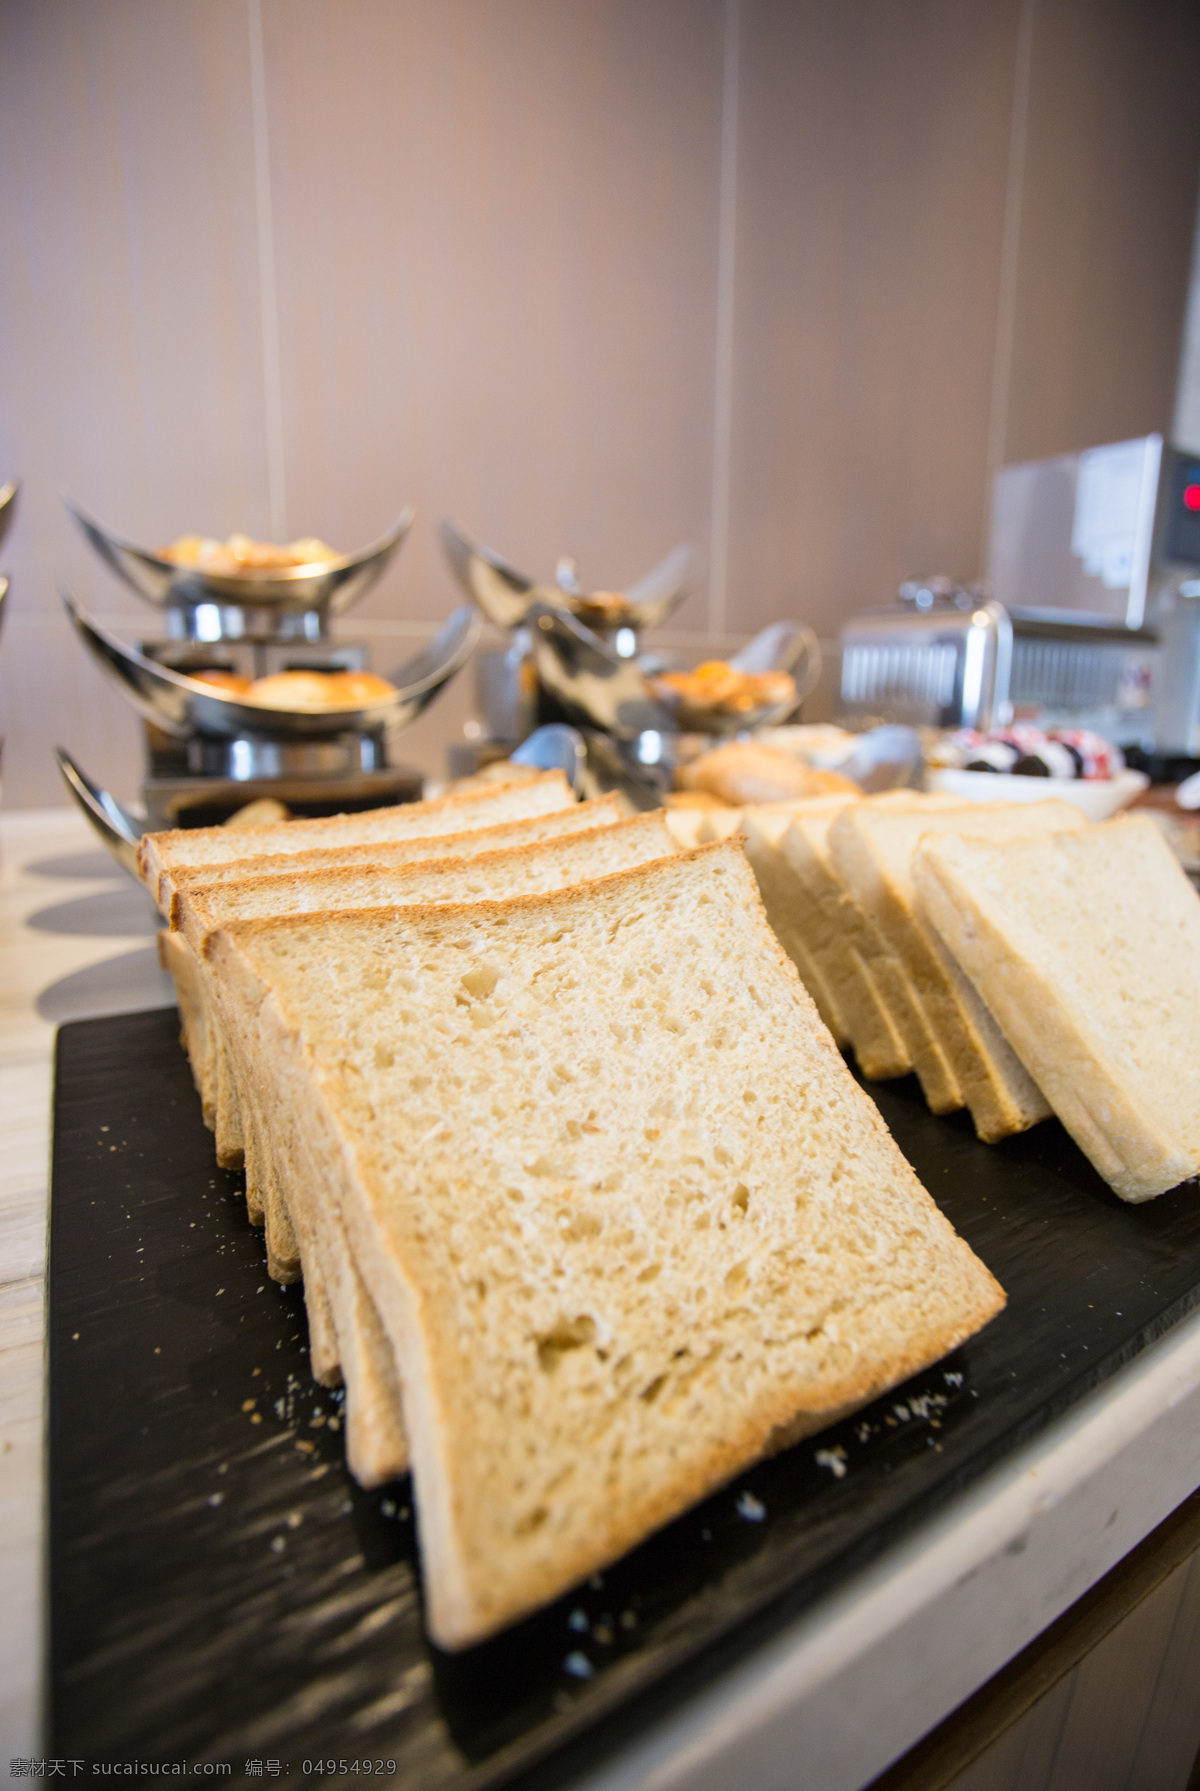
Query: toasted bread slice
(161,854)
(1086,948)
(625,1214)
(959,1053)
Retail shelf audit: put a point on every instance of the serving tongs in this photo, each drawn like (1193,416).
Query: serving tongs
(328,587)
(183,706)
(507,597)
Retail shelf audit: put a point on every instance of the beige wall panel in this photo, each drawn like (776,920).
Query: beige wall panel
(129,292)
(495,223)
(1107,219)
(872,166)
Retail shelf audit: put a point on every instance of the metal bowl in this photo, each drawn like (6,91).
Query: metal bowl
(8,505)
(507,596)
(790,647)
(599,688)
(118,827)
(593,685)
(183,706)
(329,588)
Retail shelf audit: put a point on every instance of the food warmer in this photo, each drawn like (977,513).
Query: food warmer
(209,752)
(575,657)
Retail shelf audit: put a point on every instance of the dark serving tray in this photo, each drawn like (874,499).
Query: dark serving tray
(222,1591)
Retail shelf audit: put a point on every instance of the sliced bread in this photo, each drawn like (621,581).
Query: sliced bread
(384,856)
(303,1235)
(160,854)
(959,1053)
(764,830)
(482,836)
(626,1216)
(1085,947)
(839,943)
(548,864)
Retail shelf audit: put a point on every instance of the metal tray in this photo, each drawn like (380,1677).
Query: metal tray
(220,1589)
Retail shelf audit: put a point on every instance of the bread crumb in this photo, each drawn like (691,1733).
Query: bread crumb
(834,1460)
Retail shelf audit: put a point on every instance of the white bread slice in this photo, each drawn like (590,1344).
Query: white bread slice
(482,836)
(1086,948)
(627,1217)
(546,865)
(685,825)
(528,868)
(838,942)
(159,854)
(581,817)
(838,937)
(764,829)
(302,1234)
(959,1053)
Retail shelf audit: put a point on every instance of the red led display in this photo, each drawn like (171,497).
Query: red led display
(1191,497)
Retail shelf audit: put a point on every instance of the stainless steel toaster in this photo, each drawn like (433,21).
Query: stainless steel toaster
(949,656)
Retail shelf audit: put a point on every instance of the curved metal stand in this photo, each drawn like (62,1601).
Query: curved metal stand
(118,827)
(554,748)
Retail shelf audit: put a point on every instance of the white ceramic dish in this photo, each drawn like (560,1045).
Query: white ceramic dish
(1099,798)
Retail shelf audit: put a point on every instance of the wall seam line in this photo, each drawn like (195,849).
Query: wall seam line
(1010,250)
(267,291)
(722,463)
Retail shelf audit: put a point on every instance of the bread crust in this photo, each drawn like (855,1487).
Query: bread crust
(160,853)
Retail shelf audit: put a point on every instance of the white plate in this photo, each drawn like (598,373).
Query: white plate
(1099,798)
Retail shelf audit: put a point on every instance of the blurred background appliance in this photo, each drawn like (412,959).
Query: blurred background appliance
(1088,618)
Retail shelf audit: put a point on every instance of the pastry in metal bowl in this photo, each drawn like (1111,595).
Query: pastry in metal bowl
(600,688)
(182,706)
(330,587)
(759,686)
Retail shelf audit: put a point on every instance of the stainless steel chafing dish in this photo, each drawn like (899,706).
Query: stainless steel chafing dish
(280,604)
(211,750)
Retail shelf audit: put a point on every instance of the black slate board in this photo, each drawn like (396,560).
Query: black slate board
(222,1591)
